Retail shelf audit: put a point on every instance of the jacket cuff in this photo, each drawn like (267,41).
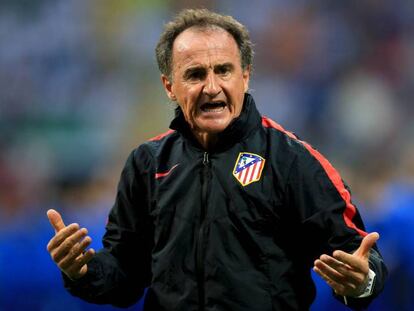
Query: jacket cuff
(85,282)
(370,285)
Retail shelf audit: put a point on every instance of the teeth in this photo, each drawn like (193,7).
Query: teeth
(213,107)
(218,109)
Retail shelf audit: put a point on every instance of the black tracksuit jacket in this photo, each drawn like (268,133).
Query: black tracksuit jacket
(200,237)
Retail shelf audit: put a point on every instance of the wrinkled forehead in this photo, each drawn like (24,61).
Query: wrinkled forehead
(198,37)
(206,41)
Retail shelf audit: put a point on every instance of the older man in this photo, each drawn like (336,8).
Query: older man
(227,210)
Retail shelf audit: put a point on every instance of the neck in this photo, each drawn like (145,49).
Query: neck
(206,140)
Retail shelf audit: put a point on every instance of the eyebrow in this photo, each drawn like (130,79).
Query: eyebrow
(192,70)
(198,68)
(225,65)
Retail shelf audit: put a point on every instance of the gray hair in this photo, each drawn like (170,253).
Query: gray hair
(202,19)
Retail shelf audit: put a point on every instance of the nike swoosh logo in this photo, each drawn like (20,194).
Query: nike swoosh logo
(163,174)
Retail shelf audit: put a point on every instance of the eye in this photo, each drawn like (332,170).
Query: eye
(195,74)
(223,70)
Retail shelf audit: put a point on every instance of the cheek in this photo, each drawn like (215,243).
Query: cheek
(188,103)
(237,94)
(189,98)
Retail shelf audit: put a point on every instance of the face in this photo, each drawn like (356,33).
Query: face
(208,81)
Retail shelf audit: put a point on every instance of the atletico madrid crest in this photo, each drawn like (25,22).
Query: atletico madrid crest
(248,168)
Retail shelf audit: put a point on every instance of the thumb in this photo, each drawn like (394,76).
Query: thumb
(366,244)
(55,220)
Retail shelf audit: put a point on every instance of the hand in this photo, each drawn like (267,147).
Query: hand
(67,247)
(347,273)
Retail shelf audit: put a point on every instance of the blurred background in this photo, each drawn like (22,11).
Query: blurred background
(80,89)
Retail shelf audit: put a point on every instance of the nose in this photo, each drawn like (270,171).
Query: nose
(212,86)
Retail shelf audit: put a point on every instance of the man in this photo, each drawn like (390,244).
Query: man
(227,210)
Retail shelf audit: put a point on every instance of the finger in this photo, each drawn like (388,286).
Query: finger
(330,272)
(366,244)
(340,272)
(55,220)
(61,236)
(74,253)
(347,271)
(85,258)
(339,266)
(337,287)
(66,246)
(356,263)
(76,269)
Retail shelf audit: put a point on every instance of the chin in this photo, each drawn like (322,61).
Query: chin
(214,128)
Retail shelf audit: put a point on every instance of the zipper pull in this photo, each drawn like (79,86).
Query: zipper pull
(205,159)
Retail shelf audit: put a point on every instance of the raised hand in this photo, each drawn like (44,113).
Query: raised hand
(67,247)
(347,273)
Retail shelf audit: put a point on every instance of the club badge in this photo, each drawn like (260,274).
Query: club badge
(248,168)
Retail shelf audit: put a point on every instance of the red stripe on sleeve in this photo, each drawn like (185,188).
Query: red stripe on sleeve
(158,137)
(350,209)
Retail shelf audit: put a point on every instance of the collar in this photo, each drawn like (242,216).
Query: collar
(237,130)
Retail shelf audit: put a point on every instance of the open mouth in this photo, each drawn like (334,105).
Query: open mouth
(213,106)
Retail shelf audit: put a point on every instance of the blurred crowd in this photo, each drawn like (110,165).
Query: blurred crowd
(80,89)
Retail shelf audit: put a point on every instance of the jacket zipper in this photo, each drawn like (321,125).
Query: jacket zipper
(200,241)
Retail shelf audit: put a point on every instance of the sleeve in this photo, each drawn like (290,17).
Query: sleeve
(119,273)
(327,218)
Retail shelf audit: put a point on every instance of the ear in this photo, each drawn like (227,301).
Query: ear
(168,87)
(246,78)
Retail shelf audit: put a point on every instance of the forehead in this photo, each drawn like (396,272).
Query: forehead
(204,46)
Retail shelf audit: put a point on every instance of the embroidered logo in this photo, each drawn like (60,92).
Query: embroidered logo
(164,174)
(248,168)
